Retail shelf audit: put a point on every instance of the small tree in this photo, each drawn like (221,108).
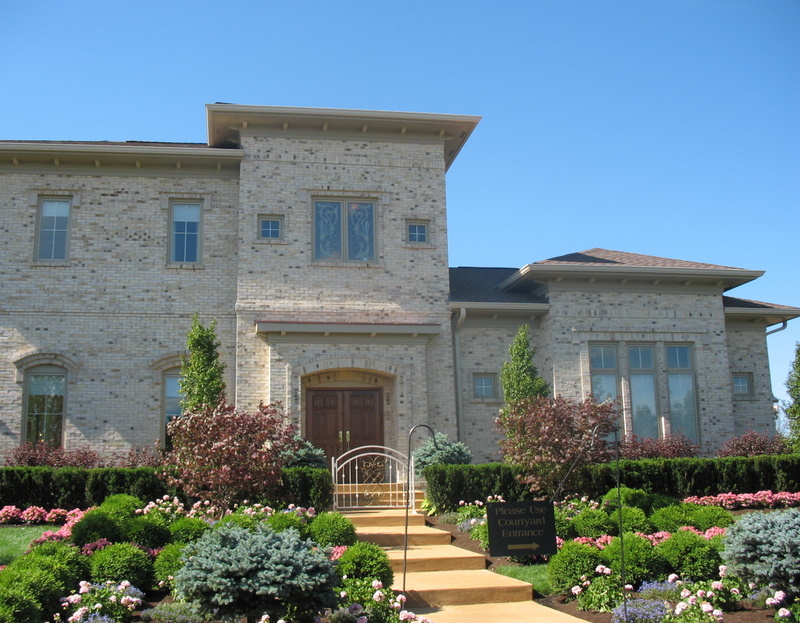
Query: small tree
(201,381)
(547,437)
(792,408)
(227,456)
(519,376)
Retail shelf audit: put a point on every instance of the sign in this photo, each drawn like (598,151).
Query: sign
(521,528)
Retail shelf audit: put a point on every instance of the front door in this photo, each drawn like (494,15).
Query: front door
(340,419)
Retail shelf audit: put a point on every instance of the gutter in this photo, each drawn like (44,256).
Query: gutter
(462,316)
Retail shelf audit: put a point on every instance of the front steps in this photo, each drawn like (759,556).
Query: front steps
(448,584)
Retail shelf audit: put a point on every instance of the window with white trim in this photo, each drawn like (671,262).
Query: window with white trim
(644,399)
(52,242)
(605,371)
(417,232)
(681,387)
(185,232)
(170,398)
(344,230)
(45,397)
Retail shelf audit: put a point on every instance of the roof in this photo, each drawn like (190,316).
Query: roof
(474,284)
(618,265)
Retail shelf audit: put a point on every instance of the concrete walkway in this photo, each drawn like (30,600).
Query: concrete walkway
(448,584)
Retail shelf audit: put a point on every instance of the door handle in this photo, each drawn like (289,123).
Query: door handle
(348,436)
(340,436)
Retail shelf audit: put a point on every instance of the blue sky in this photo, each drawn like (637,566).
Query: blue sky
(663,127)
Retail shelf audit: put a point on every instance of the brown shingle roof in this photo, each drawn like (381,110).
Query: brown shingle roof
(605,257)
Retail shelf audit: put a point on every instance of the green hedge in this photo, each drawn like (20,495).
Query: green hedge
(449,484)
(308,486)
(685,477)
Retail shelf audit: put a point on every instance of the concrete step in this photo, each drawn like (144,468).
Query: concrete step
(435,558)
(394,536)
(389,517)
(513,612)
(459,587)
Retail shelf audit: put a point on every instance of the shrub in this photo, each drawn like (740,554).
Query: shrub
(41,582)
(670,518)
(641,561)
(108,602)
(690,555)
(122,561)
(762,548)
(241,573)
(93,526)
(285,520)
(593,522)
(633,520)
(307,486)
(66,554)
(305,454)
(571,562)
(751,443)
(448,452)
(145,532)
(600,593)
(366,561)
(705,517)
(121,506)
(637,498)
(175,612)
(167,564)
(18,604)
(671,447)
(248,522)
(333,529)
(42,454)
(640,611)
(188,529)
(564,527)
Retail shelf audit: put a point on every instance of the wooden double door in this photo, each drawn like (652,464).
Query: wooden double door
(338,420)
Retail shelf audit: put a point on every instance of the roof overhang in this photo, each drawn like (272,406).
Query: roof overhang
(767,316)
(326,329)
(227,121)
(533,274)
(501,308)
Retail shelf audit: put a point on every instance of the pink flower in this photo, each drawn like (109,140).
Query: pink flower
(377,596)
(780,595)
(576,590)
(672,578)
(716,585)
(783,613)
(377,584)
(706,607)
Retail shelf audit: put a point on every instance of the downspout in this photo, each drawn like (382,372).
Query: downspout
(780,328)
(462,316)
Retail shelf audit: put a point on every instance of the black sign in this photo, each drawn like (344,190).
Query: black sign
(521,528)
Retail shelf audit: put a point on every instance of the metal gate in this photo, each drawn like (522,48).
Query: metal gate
(372,477)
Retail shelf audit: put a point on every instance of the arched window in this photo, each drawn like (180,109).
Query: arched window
(45,400)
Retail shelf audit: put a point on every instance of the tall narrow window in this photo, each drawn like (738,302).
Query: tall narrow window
(644,411)
(603,362)
(44,404)
(344,231)
(682,399)
(171,399)
(185,233)
(53,229)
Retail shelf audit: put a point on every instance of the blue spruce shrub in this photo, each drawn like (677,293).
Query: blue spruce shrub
(448,453)
(762,548)
(238,572)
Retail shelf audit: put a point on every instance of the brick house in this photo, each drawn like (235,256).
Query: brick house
(318,241)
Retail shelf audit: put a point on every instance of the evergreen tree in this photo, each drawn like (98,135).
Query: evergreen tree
(201,382)
(519,376)
(792,408)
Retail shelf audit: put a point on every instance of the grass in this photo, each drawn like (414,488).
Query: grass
(533,574)
(14,540)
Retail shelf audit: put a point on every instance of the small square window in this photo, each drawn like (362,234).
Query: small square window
(417,232)
(484,386)
(270,228)
(742,386)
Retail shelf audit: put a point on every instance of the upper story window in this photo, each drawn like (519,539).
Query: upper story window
(53,234)
(45,393)
(484,386)
(742,385)
(344,230)
(417,232)
(605,374)
(185,232)
(270,228)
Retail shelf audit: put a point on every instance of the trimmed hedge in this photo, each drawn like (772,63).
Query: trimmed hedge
(449,484)
(76,487)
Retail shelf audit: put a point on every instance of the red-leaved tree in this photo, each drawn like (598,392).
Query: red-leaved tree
(547,437)
(227,456)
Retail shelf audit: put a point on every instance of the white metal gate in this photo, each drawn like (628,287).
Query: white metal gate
(372,477)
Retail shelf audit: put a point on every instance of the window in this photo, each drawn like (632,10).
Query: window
(644,409)
(344,231)
(171,398)
(270,227)
(484,386)
(417,232)
(53,235)
(45,391)
(682,400)
(603,362)
(185,232)
(742,386)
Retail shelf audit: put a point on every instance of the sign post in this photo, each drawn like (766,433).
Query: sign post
(521,528)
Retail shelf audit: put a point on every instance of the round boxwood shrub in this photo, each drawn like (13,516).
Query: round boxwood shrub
(121,505)
(690,555)
(670,518)
(248,522)
(333,529)
(366,561)
(762,548)
(571,562)
(17,603)
(145,532)
(641,560)
(705,517)
(167,564)
(95,525)
(122,561)
(637,498)
(68,555)
(593,522)
(188,529)
(564,527)
(448,452)
(42,583)
(633,520)
(239,572)
(283,521)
